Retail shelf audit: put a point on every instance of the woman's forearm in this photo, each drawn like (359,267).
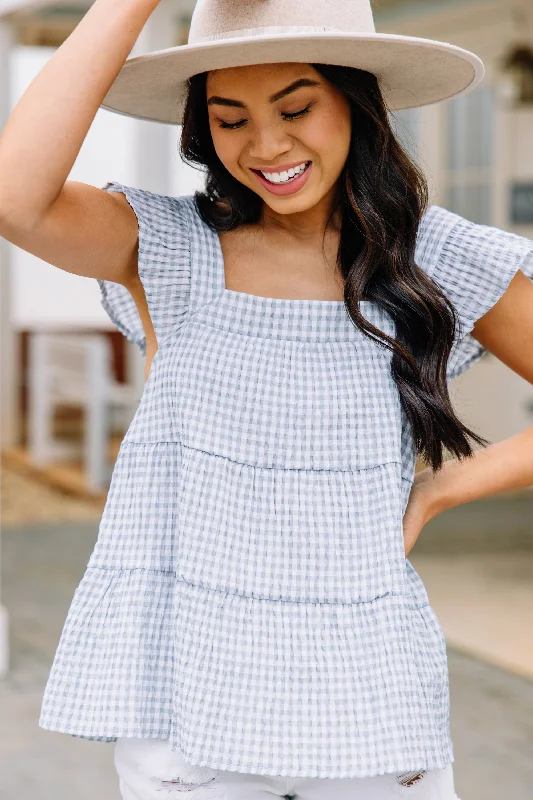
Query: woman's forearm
(46,129)
(495,468)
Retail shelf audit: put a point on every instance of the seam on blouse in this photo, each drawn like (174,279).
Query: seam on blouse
(119,571)
(95,568)
(276,600)
(381,349)
(178,443)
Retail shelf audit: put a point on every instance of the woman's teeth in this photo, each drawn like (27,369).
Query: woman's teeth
(285,177)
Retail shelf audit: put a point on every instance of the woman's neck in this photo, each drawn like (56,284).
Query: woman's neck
(304,225)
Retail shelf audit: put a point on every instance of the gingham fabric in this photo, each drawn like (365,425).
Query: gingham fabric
(248,597)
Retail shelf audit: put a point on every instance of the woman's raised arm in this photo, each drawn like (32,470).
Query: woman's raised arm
(74,226)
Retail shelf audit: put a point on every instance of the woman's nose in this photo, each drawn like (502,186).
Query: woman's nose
(269,143)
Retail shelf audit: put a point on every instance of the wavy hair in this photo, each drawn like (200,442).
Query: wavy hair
(383,196)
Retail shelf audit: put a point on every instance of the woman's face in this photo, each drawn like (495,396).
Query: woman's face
(280,129)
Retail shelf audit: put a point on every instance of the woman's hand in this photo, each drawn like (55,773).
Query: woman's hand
(496,468)
(422,506)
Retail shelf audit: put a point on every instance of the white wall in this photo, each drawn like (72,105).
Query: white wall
(42,295)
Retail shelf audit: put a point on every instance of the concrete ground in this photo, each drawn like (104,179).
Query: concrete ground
(492,708)
(476,561)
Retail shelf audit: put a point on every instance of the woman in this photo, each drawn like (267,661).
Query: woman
(248,623)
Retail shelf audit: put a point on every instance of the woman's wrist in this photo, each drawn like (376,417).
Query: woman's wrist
(431,486)
(499,467)
(440,489)
(456,483)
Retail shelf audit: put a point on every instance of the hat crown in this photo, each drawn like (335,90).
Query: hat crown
(225,19)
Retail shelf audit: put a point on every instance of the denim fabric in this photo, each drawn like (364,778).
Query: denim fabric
(148,769)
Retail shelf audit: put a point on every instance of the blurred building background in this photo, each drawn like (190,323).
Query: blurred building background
(70,383)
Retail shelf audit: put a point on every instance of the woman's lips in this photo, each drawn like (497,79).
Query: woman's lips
(285,188)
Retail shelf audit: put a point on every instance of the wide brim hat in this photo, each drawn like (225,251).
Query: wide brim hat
(411,71)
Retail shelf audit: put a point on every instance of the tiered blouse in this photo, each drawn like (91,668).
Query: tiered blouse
(248,597)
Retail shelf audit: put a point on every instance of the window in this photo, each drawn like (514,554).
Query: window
(469,155)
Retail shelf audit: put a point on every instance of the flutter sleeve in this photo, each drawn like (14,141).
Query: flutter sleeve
(473,264)
(163,262)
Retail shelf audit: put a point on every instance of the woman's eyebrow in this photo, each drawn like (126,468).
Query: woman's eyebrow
(292,88)
(226,101)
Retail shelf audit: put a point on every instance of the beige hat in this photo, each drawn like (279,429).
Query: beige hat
(232,33)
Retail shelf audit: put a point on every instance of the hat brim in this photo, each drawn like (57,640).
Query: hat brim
(412,72)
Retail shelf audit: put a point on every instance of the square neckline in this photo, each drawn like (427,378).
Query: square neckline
(301,301)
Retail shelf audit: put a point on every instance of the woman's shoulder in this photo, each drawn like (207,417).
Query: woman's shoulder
(473,264)
(449,245)
(164,263)
(158,211)
(441,230)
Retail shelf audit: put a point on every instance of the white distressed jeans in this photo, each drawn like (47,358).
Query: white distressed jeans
(149,770)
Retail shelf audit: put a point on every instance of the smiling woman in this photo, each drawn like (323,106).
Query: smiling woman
(303,125)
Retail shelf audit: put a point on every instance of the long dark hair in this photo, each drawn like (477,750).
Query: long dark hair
(383,196)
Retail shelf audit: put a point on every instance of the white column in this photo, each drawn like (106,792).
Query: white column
(152,141)
(8,342)
(10,6)
(9,409)
(502,152)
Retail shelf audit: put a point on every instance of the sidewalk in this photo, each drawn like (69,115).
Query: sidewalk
(41,567)
(476,561)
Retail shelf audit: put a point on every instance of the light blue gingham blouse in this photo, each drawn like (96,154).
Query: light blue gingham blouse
(248,597)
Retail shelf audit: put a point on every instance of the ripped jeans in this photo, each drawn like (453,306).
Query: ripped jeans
(149,770)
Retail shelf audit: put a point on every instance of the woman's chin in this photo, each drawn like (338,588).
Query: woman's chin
(293,204)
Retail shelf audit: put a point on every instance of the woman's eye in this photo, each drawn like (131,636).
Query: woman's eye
(297,114)
(231,125)
(241,122)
